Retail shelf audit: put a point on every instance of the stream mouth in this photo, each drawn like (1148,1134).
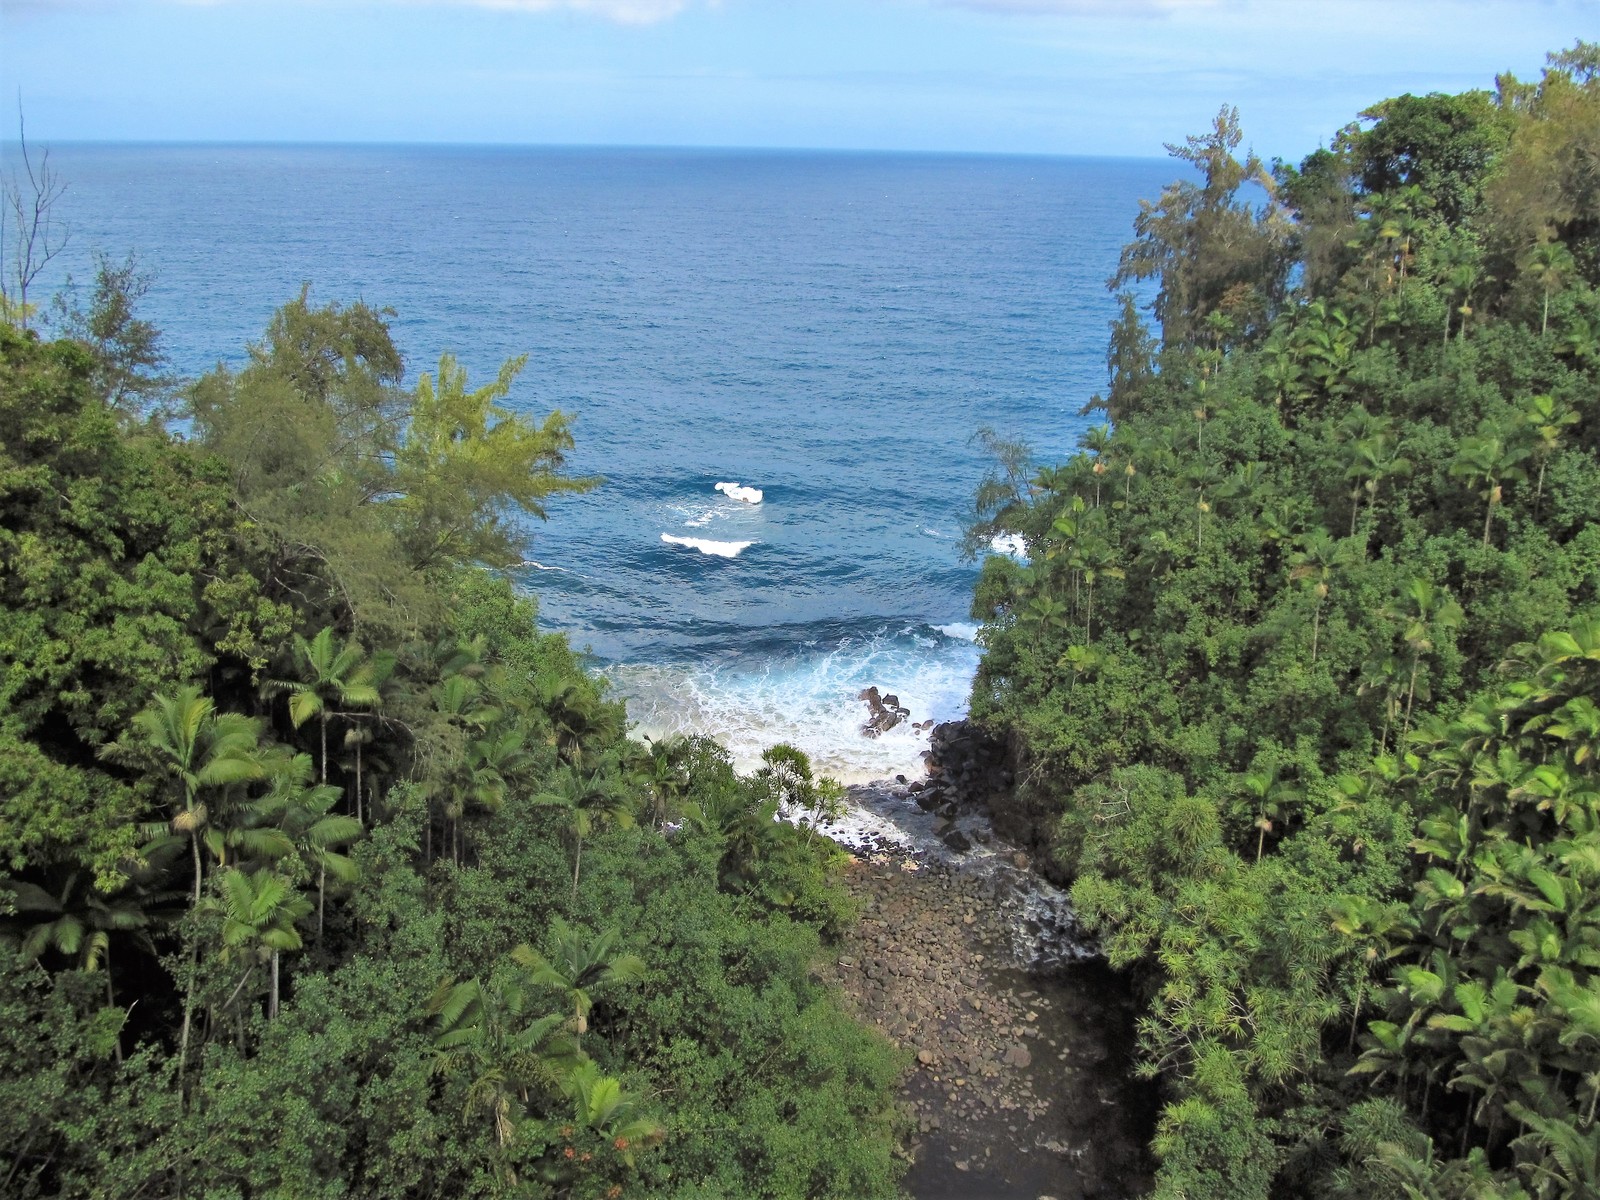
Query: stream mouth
(1022,1038)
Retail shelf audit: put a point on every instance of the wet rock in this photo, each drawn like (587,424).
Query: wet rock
(883,713)
(957,841)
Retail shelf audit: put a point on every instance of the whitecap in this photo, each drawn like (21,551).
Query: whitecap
(961,631)
(707,546)
(1009,543)
(809,697)
(735,491)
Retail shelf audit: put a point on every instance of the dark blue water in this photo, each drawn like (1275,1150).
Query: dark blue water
(830,328)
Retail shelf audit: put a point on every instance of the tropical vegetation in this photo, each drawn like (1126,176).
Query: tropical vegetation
(1300,674)
(323,870)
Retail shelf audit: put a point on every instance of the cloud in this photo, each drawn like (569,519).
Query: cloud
(624,12)
(1079,8)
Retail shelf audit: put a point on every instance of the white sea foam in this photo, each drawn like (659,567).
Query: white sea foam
(810,698)
(539,566)
(707,546)
(735,491)
(959,630)
(1009,543)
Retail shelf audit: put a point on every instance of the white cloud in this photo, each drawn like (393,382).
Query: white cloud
(1075,8)
(624,12)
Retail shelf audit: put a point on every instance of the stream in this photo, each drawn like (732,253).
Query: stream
(1021,1037)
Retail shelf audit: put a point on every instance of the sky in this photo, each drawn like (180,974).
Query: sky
(1094,77)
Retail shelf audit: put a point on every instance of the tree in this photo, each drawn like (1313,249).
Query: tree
(28,222)
(303,812)
(126,348)
(329,674)
(590,799)
(489,1029)
(259,912)
(1427,612)
(581,966)
(1488,459)
(1317,562)
(1551,264)
(1547,420)
(467,466)
(210,752)
(1211,250)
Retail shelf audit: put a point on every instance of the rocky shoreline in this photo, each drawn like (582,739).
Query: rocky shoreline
(1020,1038)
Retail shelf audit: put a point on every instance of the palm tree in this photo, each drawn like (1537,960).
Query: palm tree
(258,921)
(1270,797)
(76,922)
(660,772)
(1551,263)
(589,798)
(1488,459)
(1201,476)
(304,817)
(489,1030)
(1093,557)
(1426,610)
(1317,562)
(581,966)
(578,717)
(1380,932)
(210,751)
(330,674)
(602,1106)
(1546,418)
(1372,460)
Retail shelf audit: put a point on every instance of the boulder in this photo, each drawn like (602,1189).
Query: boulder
(957,841)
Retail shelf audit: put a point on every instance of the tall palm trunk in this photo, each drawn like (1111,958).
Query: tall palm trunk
(272,1003)
(1411,695)
(323,721)
(577,862)
(194,964)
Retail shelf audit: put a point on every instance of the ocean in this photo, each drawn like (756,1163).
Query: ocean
(829,328)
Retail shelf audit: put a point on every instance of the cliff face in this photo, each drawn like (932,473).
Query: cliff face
(971,768)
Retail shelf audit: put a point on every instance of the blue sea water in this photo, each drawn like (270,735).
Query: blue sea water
(828,327)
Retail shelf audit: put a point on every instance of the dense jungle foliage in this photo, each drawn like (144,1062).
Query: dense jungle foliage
(323,871)
(1302,672)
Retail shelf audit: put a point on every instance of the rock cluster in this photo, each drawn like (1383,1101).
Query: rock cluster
(883,712)
(991,1050)
(967,771)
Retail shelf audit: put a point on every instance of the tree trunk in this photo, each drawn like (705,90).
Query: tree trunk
(322,895)
(1316,630)
(358,781)
(324,722)
(577,862)
(1488,516)
(1355,1015)
(1411,695)
(272,1004)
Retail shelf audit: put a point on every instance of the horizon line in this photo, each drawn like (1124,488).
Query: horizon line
(436,144)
